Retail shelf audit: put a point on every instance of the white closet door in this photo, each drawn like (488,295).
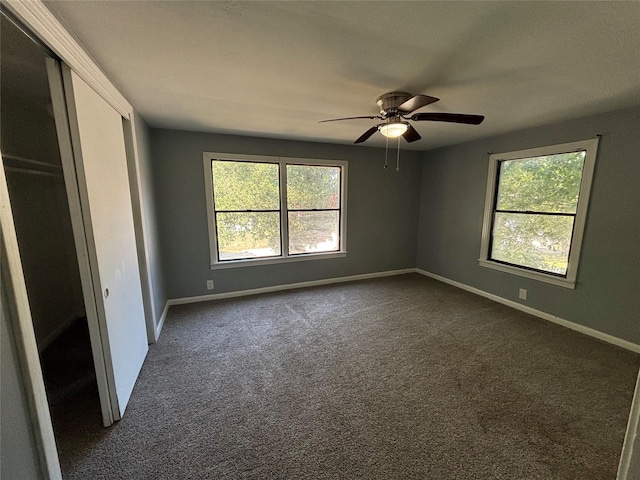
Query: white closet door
(103,183)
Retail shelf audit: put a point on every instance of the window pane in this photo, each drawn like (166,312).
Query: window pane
(312,187)
(536,241)
(245,185)
(314,232)
(248,235)
(549,183)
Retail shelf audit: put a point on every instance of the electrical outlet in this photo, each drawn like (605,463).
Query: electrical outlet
(522,294)
(209,284)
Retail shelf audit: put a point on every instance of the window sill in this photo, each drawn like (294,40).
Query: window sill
(562,282)
(254,262)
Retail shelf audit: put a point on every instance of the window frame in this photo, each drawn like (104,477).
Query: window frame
(590,147)
(284,257)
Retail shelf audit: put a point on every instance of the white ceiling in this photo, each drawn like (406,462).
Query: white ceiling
(274,69)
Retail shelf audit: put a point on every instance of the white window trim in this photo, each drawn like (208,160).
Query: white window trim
(208,157)
(568,281)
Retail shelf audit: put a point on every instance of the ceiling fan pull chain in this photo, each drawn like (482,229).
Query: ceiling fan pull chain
(398,157)
(386,152)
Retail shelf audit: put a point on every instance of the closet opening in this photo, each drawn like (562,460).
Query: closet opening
(38,196)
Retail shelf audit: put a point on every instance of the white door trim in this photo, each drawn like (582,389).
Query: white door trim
(631,448)
(139,222)
(39,19)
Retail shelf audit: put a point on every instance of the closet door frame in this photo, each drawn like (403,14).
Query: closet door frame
(42,25)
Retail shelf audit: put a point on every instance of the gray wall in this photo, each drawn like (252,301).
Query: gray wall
(382,212)
(18,456)
(606,297)
(158,295)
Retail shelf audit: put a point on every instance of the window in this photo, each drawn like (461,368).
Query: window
(535,211)
(273,209)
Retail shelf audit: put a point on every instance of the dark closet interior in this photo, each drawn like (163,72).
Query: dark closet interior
(37,192)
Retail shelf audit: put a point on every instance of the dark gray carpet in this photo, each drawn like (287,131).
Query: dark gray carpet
(394,378)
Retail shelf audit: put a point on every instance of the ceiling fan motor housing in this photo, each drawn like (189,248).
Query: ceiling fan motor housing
(389,102)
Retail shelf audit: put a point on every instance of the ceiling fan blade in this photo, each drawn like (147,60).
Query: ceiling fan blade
(448,117)
(416,102)
(370,117)
(411,135)
(367,134)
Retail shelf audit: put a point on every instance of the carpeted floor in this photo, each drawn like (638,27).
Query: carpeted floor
(394,378)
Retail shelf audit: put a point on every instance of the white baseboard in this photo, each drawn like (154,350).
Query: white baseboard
(605,337)
(276,288)
(327,281)
(162,319)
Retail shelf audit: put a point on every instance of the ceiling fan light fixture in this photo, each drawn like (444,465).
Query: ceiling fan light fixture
(396,107)
(393,130)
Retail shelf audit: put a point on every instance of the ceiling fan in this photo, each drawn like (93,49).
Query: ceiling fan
(396,109)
